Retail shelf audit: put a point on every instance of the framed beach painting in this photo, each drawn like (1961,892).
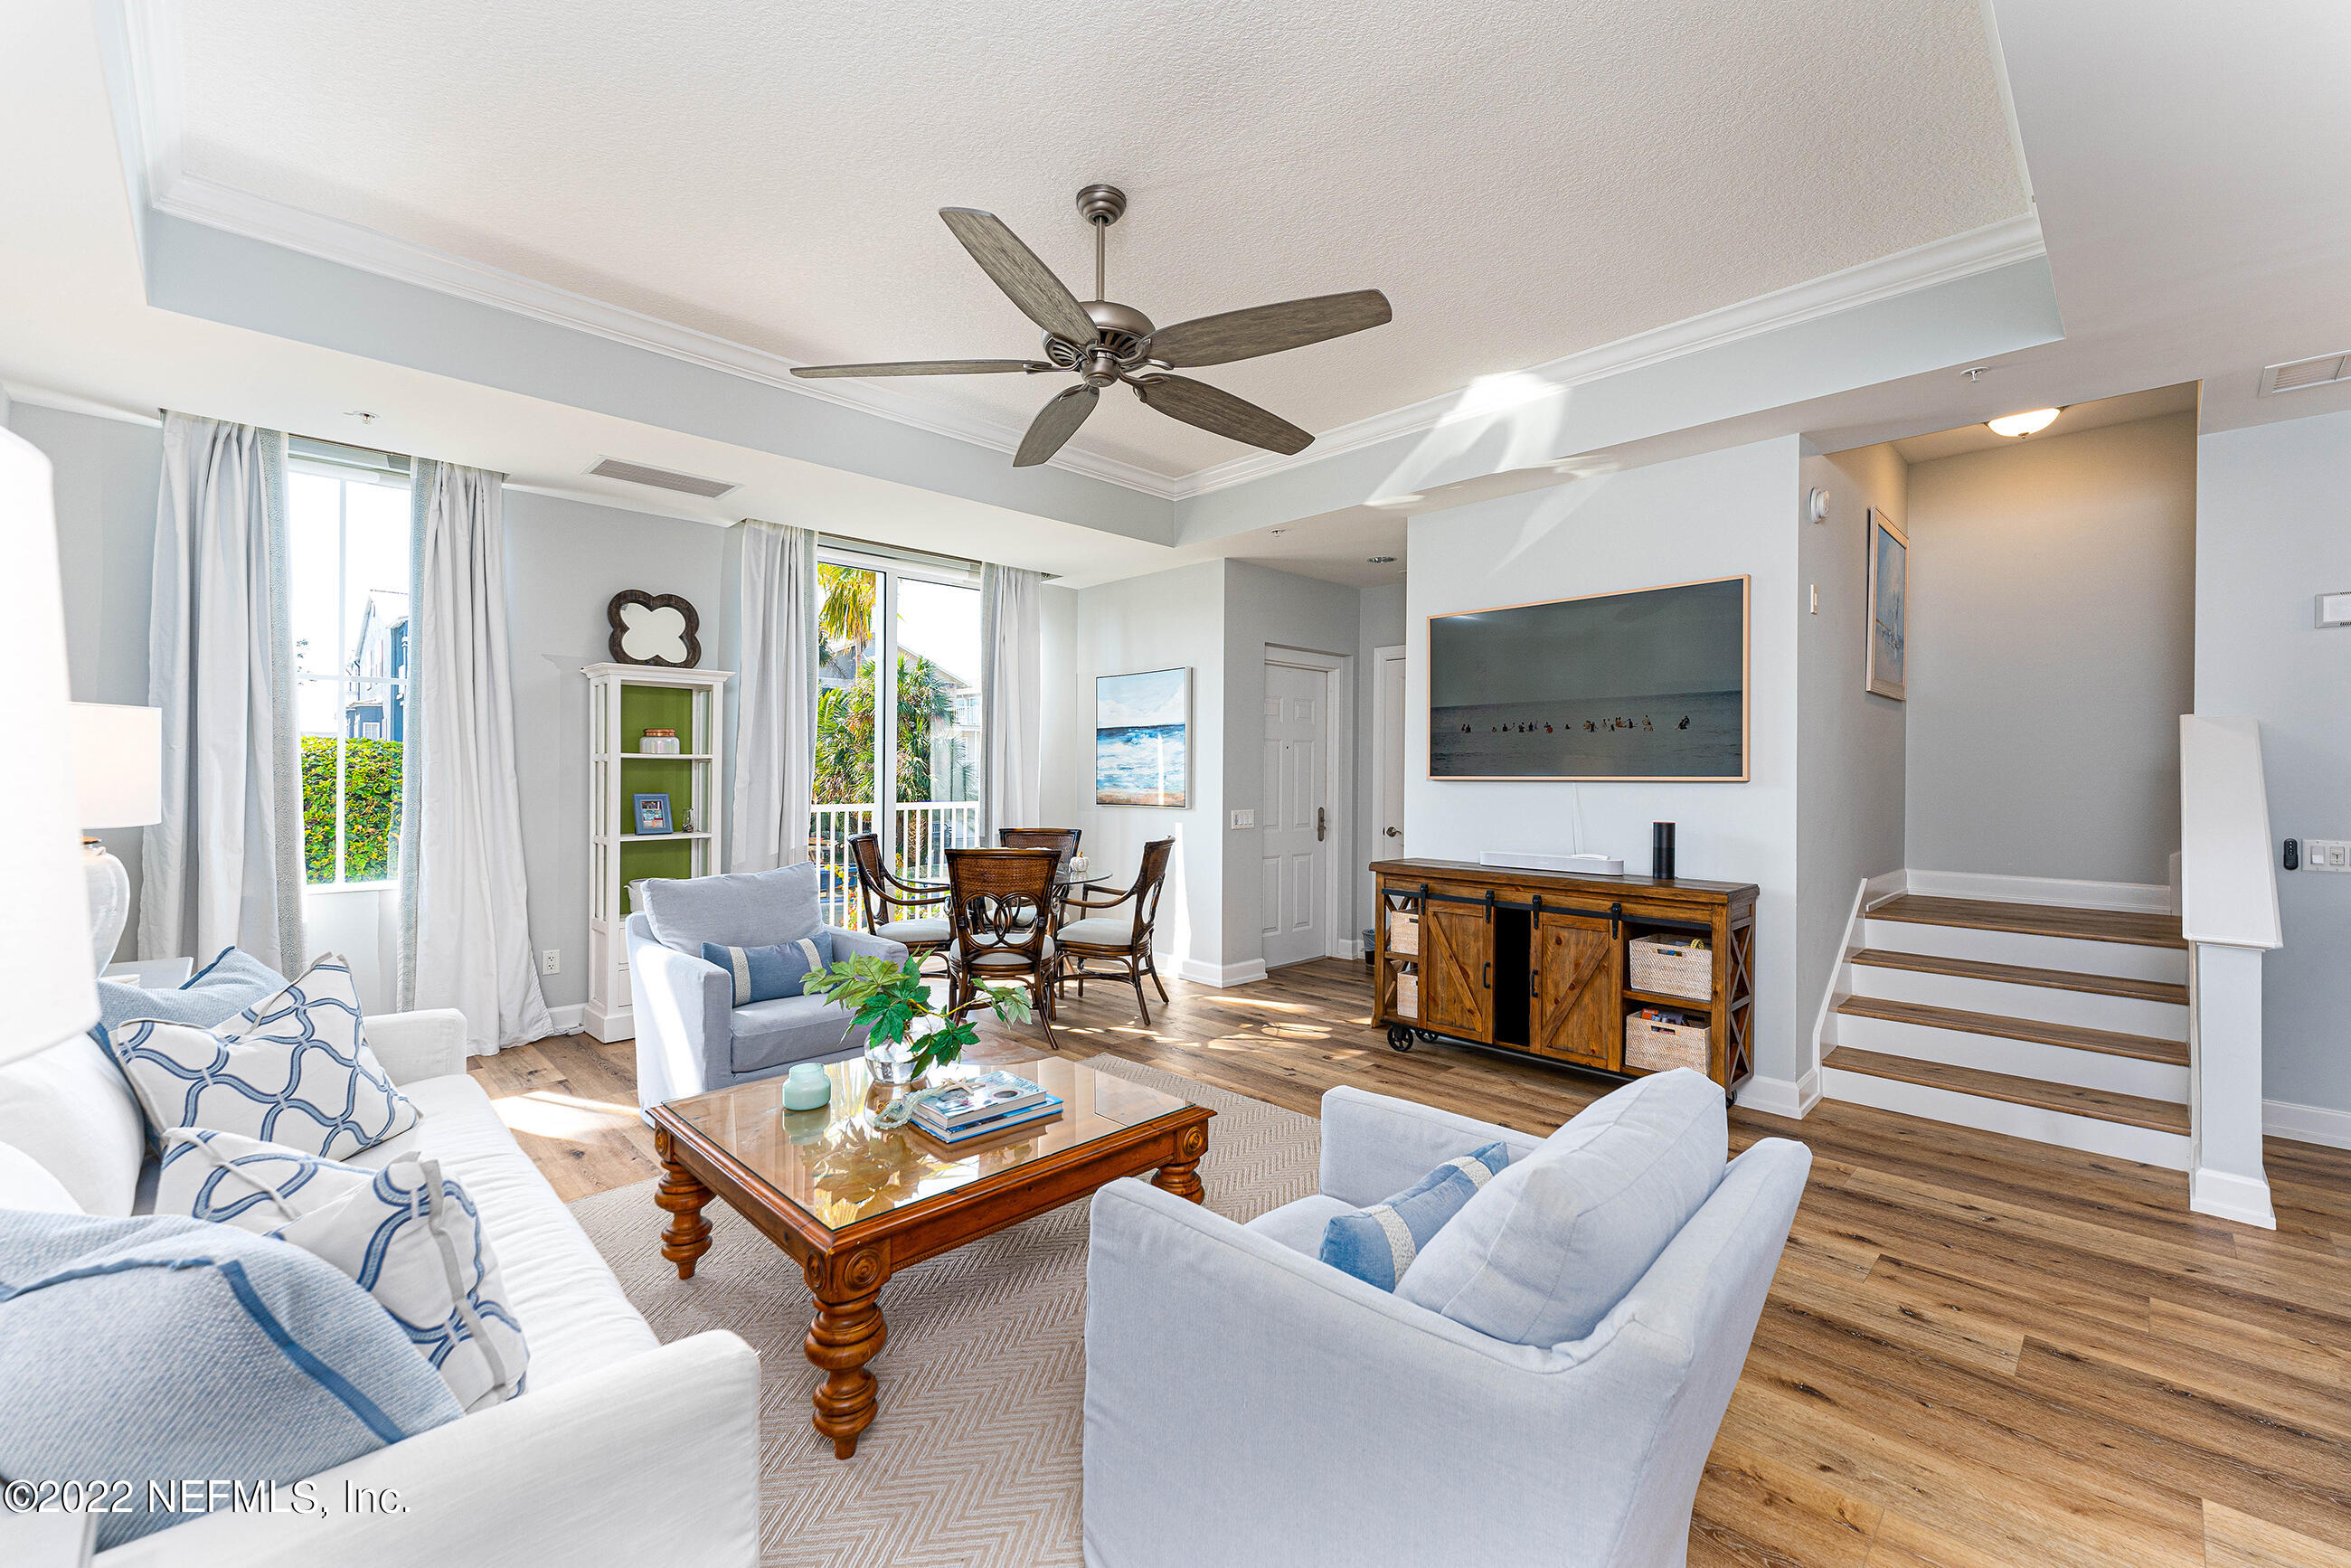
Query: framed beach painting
(1140,738)
(1889,596)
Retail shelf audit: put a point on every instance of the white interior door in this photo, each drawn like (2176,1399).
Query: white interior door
(1295,832)
(1387,755)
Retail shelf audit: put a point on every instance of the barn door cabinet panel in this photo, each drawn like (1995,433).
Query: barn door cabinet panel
(1537,962)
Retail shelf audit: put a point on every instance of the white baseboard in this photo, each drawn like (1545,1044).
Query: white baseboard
(1221,975)
(2224,1194)
(608,1024)
(1780,1096)
(2306,1123)
(1886,884)
(2139,897)
(569,1016)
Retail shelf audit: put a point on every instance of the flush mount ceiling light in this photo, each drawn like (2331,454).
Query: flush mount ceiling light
(2023,424)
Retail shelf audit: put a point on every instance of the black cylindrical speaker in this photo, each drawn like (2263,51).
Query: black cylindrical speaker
(1661,851)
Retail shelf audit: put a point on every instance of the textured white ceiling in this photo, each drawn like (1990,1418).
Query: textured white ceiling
(1524,179)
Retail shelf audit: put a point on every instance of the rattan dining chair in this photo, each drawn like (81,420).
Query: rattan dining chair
(884,893)
(1000,909)
(1109,939)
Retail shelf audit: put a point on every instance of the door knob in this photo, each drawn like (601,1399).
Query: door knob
(1393,833)
(1321,823)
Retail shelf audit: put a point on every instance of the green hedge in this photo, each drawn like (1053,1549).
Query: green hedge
(371,808)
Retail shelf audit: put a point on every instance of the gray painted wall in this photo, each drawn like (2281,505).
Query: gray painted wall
(2052,613)
(565,560)
(1849,742)
(2270,536)
(107,471)
(1268,609)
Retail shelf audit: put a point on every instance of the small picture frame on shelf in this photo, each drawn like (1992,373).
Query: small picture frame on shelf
(653,811)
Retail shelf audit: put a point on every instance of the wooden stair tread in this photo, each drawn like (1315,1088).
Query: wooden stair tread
(2075,1036)
(2104,1105)
(2018,975)
(2034,919)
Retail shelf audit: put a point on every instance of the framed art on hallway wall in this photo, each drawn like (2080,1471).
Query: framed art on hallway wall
(1140,738)
(1889,604)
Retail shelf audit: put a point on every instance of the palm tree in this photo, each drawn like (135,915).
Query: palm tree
(846,617)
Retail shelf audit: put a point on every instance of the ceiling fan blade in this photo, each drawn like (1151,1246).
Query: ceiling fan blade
(1055,424)
(1042,297)
(927,367)
(1213,409)
(1268,329)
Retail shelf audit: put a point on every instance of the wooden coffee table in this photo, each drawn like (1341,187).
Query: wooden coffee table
(855,1203)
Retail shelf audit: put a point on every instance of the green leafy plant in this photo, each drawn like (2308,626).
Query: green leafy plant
(889,999)
(371,808)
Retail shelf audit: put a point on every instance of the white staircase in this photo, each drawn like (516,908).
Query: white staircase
(2064,1024)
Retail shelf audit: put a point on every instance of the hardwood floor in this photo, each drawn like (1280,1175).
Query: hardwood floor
(1977,1351)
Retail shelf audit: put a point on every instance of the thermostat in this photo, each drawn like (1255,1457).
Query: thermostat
(2334,610)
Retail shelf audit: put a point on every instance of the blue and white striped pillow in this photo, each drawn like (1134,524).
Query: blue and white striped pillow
(763,974)
(410,1238)
(1377,1244)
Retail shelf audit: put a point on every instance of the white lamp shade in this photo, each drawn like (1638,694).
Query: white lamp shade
(46,972)
(117,760)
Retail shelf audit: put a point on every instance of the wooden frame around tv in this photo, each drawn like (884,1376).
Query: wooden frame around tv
(1746,694)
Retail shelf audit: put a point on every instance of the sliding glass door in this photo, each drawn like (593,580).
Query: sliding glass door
(899,758)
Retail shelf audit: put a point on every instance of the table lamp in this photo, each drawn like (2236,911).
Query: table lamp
(45,964)
(117,762)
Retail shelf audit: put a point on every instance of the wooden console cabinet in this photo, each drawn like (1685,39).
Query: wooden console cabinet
(1539,962)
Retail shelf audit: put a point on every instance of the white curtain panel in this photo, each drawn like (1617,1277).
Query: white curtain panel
(775,724)
(225,865)
(1011,691)
(465,919)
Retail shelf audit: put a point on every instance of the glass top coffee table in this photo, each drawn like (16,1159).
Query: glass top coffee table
(854,1203)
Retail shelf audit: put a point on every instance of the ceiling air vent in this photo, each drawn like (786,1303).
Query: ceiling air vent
(2296,375)
(660,478)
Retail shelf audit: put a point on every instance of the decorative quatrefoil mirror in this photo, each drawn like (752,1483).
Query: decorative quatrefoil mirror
(653,629)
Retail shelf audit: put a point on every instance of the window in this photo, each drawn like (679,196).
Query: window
(903,761)
(347,563)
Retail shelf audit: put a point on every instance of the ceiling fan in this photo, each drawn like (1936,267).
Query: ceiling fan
(1106,343)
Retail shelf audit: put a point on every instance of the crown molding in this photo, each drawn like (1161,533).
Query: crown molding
(73,403)
(1924,266)
(153,128)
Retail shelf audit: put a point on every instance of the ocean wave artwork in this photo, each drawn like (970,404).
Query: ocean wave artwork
(1140,738)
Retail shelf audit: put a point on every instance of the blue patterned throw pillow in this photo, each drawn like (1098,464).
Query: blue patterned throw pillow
(293,1069)
(410,1237)
(232,982)
(763,974)
(1377,1244)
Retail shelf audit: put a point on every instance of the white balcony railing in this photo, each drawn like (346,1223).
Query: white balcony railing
(923,831)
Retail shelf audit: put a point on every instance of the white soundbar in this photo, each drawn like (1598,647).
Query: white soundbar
(1573,865)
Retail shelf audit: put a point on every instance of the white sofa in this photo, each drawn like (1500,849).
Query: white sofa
(619,1450)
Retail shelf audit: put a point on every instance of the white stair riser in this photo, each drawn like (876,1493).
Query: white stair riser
(2006,998)
(2113,1139)
(2122,959)
(2016,1057)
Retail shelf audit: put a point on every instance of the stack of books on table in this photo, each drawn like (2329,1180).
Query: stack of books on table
(978,1107)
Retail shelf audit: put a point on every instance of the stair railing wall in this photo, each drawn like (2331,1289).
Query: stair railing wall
(2229,915)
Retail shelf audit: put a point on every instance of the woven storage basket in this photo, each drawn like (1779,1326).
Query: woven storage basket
(1669,967)
(1653,1046)
(1404,930)
(1407,994)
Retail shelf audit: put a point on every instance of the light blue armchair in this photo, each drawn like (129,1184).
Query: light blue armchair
(691,1037)
(1248,1403)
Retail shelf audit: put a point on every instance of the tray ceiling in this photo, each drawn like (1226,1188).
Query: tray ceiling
(1524,180)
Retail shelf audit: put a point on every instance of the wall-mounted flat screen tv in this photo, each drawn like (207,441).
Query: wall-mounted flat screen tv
(1647,686)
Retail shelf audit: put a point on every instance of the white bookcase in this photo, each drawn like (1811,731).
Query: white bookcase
(623,702)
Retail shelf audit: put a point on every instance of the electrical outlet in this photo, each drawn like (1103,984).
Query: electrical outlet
(1246,818)
(2326,855)
(550,962)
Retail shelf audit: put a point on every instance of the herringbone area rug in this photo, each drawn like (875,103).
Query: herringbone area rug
(973,1460)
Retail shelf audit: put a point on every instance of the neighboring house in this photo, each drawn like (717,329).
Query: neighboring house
(378,710)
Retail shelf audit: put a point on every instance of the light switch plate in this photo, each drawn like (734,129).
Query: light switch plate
(1245,818)
(2326,855)
(2334,610)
